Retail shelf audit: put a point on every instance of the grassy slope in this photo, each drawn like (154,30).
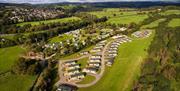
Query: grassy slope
(87,79)
(59,39)
(153,24)
(10,82)
(8,56)
(49,21)
(174,22)
(125,70)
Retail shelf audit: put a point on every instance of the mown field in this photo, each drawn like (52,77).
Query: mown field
(49,21)
(116,16)
(174,22)
(8,56)
(11,82)
(126,68)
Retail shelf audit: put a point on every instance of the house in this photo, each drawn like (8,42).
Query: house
(76,77)
(74,66)
(69,63)
(84,53)
(110,61)
(95,60)
(96,56)
(71,72)
(94,64)
(66,87)
(91,70)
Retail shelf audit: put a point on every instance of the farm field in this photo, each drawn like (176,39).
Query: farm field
(153,24)
(169,12)
(174,22)
(112,12)
(127,19)
(121,75)
(8,56)
(120,17)
(11,82)
(49,21)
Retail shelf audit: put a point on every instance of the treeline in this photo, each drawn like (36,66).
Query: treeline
(161,70)
(12,29)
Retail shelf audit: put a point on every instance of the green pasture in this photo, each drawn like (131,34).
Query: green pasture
(8,56)
(11,82)
(62,20)
(174,22)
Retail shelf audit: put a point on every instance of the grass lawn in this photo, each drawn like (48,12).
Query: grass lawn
(174,22)
(64,37)
(49,21)
(10,82)
(127,19)
(169,12)
(8,56)
(126,68)
(83,62)
(153,24)
(87,79)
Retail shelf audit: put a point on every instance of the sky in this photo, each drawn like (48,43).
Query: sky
(56,1)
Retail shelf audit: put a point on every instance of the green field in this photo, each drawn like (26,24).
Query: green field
(174,22)
(83,62)
(8,56)
(112,12)
(169,12)
(10,82)
(49,21)
(153,24)
(120,17)
(126,68)
(87,79)
(127,19)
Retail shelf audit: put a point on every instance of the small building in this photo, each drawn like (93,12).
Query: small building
(94,64)
(84,53)
(95,60)
(96,57)
(68,63)
(91,70)
(110,61)
(71,72)
(76,77)
(66,87)
(74,66)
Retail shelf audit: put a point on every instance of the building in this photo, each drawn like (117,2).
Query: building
(76,77)
(110,61)
(69,63)
(91,70)
(66,87)
(71,72)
